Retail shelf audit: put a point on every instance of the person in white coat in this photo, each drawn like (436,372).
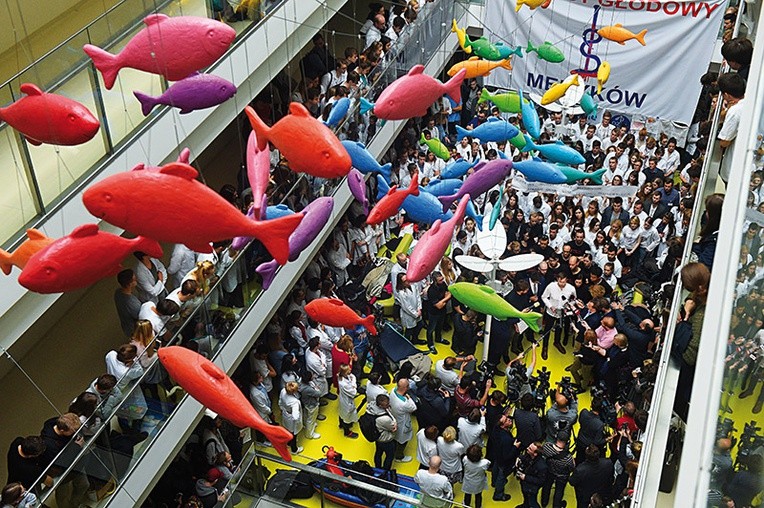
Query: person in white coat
(474,480)
(151,276)
(182,261)
(291,413)
(258,396)
(450,451)
(402,406)
(411,308)
(315,362)
(471,428)
(348,414)
(123,364)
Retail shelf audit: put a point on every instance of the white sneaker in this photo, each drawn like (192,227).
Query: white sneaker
(406,458)
(315,435)
(299,449)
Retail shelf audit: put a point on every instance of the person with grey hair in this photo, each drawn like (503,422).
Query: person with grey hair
(436,489)
(402,406)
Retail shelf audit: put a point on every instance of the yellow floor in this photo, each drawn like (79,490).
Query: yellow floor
(357,449)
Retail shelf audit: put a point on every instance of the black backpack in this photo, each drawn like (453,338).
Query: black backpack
(368,425)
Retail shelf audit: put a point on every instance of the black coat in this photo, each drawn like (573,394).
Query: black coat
(591,478)
(433,409)
(528,425)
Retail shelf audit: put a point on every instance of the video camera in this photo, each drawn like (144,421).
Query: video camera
(750,441)
(568,389)
(540,387)
(609,415)
(517,378)
(725,428)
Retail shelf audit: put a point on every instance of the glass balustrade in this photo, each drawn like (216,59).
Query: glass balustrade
(42,175)
(95,465)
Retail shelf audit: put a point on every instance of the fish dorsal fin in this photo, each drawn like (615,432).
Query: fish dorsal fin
(392,190)
(618,25)
(298,109)
(547,43)
(139,167)
(537,159)
(84,231)
(435,227)
(417,69)
(35,234)
(499,44)
(335,301)
(153,19)
(494,119)
(179,169)
(213,370)
(472,58)
(360,145)
(31,89)
(558,142)
(487,290)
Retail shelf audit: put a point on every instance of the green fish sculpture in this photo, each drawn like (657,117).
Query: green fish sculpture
(483,48)
(573,175)
(508,102)
(437,147)
(483,299)
(546,52)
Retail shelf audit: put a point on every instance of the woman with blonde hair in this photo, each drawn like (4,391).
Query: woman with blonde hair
(145,343)
(203,274)
(451,452)
(614,231)
(346,386)
(291,413)
(449,270)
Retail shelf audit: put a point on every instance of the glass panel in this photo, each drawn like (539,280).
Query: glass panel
(16,194)
(737,462)
(57,167)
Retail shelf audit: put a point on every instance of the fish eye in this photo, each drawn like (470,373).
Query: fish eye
(71,117)
(49,270)
(211,33)
(108,197)
(326,154)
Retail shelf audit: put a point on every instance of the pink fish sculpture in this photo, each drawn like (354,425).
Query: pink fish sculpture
(184,156)
(411,95)
(171,47)
(198,91)
(357,185)
(429,250)
(258,171)
(317,215)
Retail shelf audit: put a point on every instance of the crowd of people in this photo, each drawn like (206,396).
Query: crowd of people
(462,421)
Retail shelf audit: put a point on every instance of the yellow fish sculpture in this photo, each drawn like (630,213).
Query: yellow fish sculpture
(617,33)
(603,74)
(558,90)
(461,35)
(477,67)
(532,4)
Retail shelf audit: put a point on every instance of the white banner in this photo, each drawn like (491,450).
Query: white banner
(659,79)
(591,191)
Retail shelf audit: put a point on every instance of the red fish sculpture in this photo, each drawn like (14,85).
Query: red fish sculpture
(308,145)
(171,47)
(172,206)
(35,242)
(209,385)
(334,312)
(392,202)
(80,259)
(50,118)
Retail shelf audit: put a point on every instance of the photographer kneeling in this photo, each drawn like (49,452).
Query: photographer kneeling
(563,413)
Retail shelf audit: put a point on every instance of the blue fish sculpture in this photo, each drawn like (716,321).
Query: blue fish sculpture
(495,129)
(557,152)
(537,170)
(363,161)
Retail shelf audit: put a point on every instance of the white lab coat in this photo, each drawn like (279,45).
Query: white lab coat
(347,391)
(291,412)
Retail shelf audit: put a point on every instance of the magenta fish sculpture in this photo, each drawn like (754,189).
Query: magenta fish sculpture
(411,95)
(198,91)
(171,47)
(317,215)
(258,171)
(357,184)
(429,250)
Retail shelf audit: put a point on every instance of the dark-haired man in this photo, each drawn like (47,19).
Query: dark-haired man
(732,88)
(23,464)
(738,53)
(128,305)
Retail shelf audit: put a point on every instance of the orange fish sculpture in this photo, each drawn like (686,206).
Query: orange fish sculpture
(477,67)
(392,202)
(334,312)
(308,145)
(35,242)
(617,33)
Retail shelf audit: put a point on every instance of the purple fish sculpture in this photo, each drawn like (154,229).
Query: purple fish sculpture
(357,186)
(317,215)
(486,175)
(197,91)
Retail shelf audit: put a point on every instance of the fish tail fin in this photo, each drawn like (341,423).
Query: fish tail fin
(386,171)
(532,320)
(279,438)
(484,96)
(529,144)
(506,64)
(147,102)
(518,51)
(599,87)
(447,201)
(5,262)
(454,27)
(105,62)
(479,222)
(461,132)
(519,5)
(267,271)
(368,323)
(467,44)
(149,246)
(275,235)
(185,156)
(641,37)
(261,129)
(596,177)
(454,85)
(575,80)
(413,189)
(366,105)
(530,47)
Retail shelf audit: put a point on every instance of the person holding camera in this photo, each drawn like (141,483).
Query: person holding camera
(591,430)
(555,298)
(560,465)
(531,470)
(592,476)
(527,421)
(434,404)
(502,450)
(563,413)
(464,396)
